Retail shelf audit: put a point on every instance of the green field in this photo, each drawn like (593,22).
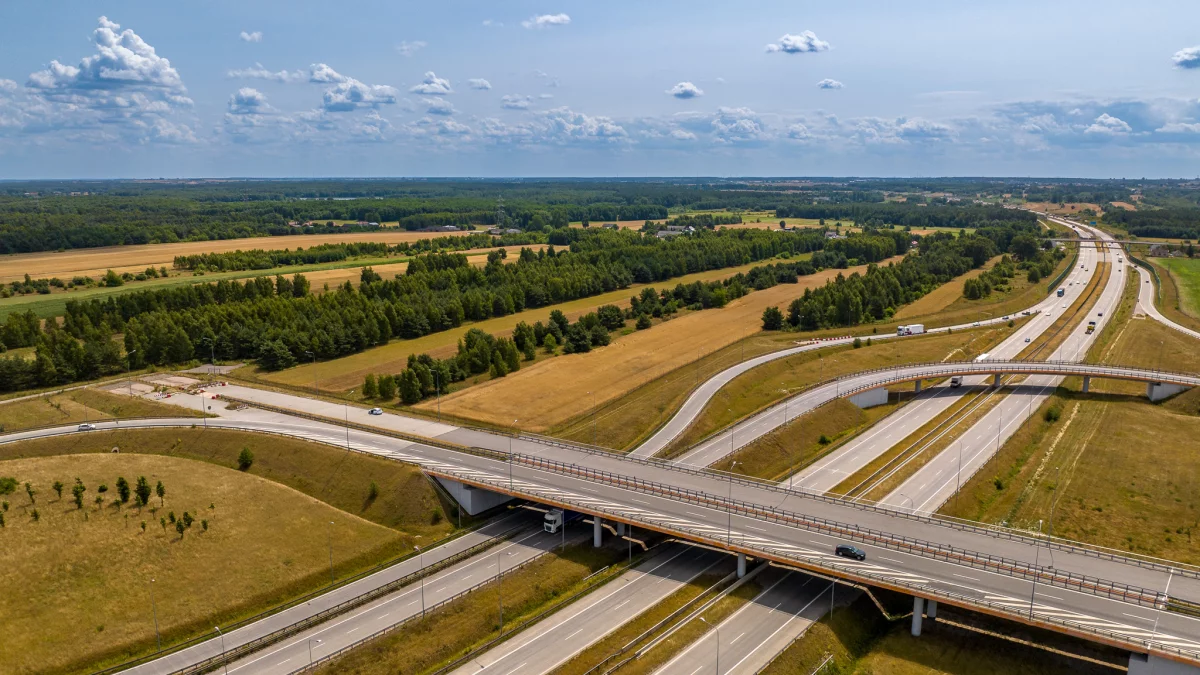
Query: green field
(84,573)
(1186,272)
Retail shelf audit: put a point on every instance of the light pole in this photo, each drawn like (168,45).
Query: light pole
(718,633)
(421,568)
(437,383)
(310,641)
(729,522)
(912,506)
(346,414)
(314,360)
(212,356)
(129,370)
(154,608)
(223,661)
(1036,559)
(329,540)
(959,488)
(499,595)
(510,459)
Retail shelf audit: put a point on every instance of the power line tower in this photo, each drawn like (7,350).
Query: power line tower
(499,211)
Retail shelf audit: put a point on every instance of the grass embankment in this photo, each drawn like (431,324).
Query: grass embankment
(771,382)
(344,373)
(469,622)
(552,392)
(268,539)
(637,627)
(1180,289)
(692,631)
(81,405)
(861,641)
(1088,454)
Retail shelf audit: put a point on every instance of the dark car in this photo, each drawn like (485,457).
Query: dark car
(848,551)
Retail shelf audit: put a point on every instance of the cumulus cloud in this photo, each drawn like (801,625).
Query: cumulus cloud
(479,83)
(1188,57)
(681,135)
(438,106)
(407,48)
(432,85)
(126,82)
(829,84)
(7,85)
(545,97)
(347,92)
(546,21)
(1108,125)
(685,90)
(737,125)
(515,102)
(805,42)
(248,101)
(258,72)
(256,36)
(798,132)
(564,124)
(323,74)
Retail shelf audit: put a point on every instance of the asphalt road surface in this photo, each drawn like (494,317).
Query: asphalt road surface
(559,637)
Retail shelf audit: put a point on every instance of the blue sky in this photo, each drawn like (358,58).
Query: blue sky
(572,88)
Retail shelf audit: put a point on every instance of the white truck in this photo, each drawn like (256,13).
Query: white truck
(911,329)
(554,519)
(956,382)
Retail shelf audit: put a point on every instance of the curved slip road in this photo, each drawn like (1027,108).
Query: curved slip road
(1146,301)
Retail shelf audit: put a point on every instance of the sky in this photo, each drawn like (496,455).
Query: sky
(260,88)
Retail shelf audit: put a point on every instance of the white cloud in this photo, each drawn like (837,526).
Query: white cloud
(432,85)
(492,24)
(256,36)
(1108,125)
(798,132)
(123,61)
(7,85)
(564,124)
(323,74)
(351,94)
(515,102)
(407,48)
(681,135)
(248,101)
(1188,57)
(546,21)
(479,83)
(438,106)
(258,72)
(799,44)
(829,84)
(685,90)
(737,125)
(545,96)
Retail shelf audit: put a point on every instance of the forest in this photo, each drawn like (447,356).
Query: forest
(1171,223)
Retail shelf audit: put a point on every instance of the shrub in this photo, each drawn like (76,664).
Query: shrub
(1052,414)
(245,459)
(857,343)
(998,483)
(8,485)
(824,440)
(643,322)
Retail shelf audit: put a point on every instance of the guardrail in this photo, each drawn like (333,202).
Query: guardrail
(1063,274)
(1153,272)
(1118,591)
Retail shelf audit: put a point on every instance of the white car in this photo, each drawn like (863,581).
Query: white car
(87,427)
(375,411)
(1064,306)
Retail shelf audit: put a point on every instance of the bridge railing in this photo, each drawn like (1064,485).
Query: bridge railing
(1049,577)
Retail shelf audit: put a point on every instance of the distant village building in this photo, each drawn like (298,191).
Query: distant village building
(611,226)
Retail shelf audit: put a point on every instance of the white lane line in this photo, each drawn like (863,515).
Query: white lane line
(1138,617)
(739,637)
(963,576)
(575,633)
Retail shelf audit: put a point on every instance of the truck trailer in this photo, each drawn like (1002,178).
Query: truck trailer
(911,329)
(554,519)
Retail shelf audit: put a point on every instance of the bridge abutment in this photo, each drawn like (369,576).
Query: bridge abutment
(1157,391)
(870,398)
(1149,664)
(472,499)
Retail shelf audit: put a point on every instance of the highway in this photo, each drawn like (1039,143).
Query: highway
(605,484)
(750,637)
(559,637)
(935,482)
(1146,301)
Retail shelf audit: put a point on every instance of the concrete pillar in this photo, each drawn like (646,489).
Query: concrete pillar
(741,565)
(996,380)
(917,387)
(597,532)
(931,609)
(1087,383)
(620,529)
(918,608)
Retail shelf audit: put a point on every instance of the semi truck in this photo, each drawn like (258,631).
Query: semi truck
(556,518)
(911,329)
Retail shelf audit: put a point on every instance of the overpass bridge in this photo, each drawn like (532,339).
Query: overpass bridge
(1159,383)
(1125,600)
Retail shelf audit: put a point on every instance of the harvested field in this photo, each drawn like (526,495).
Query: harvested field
(95,261)
(554,390)
(347,372)
(1067,209)
(943,296)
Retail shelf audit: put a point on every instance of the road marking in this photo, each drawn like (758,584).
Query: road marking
(962,576)
(755,528)
(575,633)
(739,637)
(1137,617)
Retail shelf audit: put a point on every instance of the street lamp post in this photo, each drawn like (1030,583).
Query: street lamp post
(346,414)
(314,360)
(595,411)
(912,506)
(310,641)
(717,629)
(129,370)
(1036,559)
(421,568)
(510,459)
(154,608)
(223,661)
(437,383)
(729,522)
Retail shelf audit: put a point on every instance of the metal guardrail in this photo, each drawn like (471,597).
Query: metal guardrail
(1063,274)
(871,577)
(1153,272)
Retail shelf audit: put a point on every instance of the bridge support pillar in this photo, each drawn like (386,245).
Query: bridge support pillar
(1143,664)
(931,610)
(870,398)
(917,387)
(597,531)
(741,571)
(1157,391)
(1087,383)
(996,380)
(620,529)
(918,609)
